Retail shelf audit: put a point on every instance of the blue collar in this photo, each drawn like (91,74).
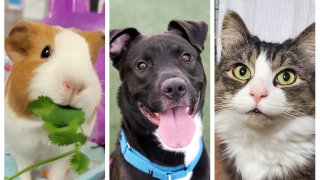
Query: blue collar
(140,162)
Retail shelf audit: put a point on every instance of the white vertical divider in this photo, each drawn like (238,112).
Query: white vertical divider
(212,86)
(107,88)
(2,5)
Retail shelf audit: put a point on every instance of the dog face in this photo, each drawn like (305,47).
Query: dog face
(163,81)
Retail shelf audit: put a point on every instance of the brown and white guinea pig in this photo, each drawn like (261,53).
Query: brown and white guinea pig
(54,62)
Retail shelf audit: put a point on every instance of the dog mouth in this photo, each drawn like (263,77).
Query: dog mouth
(175,124)
(155,117)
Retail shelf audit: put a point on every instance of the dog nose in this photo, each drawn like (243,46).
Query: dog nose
(73,87)
(174,88)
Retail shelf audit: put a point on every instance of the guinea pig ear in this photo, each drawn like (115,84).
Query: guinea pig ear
(194,32)
(95,40)
(17,42)
(120,40)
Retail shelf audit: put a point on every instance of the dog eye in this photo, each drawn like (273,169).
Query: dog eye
(186,57)
(142,66)
(46,52)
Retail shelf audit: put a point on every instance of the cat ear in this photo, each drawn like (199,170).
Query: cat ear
(306,42)
(234,32)
(119,42)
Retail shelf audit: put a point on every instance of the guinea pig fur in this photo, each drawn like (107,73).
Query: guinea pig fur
(54,62)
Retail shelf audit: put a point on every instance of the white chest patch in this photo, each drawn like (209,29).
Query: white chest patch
(191,150)
(261,154)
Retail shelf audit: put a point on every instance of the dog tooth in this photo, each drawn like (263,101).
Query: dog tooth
(157,114)
(187,110)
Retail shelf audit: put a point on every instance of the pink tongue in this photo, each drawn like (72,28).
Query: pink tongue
(176,127)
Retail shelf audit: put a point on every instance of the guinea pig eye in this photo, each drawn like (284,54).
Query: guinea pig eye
(46,52)
(142,65)
(186,58)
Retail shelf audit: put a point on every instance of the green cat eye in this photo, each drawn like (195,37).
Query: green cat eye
(241,72)
(285,77)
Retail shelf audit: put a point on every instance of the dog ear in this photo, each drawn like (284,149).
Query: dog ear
(120,40)
(194,32)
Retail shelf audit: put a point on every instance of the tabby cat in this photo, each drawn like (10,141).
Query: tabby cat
(265,104)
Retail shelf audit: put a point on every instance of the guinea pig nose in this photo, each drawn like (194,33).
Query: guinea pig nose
(174,88)
(73,87)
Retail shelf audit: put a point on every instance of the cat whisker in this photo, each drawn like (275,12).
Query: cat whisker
(295,115)
(284,116)
(287,111)
(222,103)
(294,111)
(222,107)
(304,105)
(289,116)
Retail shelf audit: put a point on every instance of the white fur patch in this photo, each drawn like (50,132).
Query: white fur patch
(272,150)
(192,149)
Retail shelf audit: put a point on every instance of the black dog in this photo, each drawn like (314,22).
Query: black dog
(161,100)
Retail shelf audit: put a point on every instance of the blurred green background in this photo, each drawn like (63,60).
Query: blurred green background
(152,17)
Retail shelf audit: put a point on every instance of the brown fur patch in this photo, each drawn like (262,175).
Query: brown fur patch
(220,174)
(24,46)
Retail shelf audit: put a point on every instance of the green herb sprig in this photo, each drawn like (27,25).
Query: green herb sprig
(63,126)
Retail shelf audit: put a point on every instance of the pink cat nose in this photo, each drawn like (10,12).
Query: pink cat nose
(258,94)
(73,87)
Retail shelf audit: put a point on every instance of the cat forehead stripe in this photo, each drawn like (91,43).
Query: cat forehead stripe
(262,67)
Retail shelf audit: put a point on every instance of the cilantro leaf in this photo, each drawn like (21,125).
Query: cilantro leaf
(80,163)
(62,135)
(63,126)
(82,139)
(42,107)
(55,114)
